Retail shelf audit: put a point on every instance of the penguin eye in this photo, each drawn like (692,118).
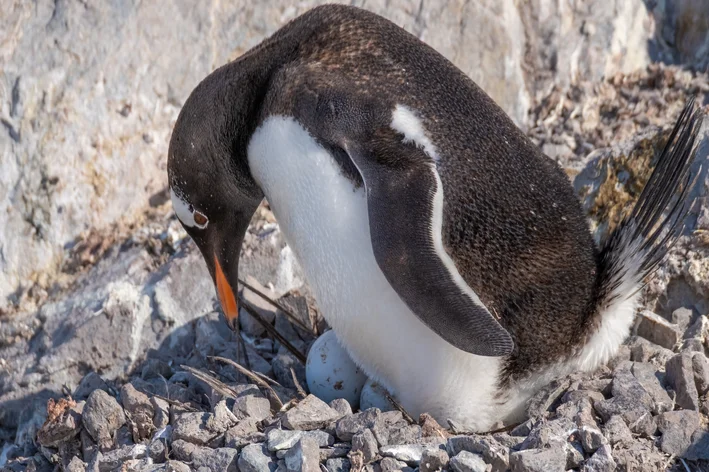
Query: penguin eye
(200,219)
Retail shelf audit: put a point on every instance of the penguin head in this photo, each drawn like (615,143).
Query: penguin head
(212,191)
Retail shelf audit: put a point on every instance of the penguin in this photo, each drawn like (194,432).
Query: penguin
(450,256)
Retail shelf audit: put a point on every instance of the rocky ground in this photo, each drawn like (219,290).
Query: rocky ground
(88,395)
(113,354)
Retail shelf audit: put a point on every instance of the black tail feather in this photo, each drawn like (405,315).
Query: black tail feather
(643,238)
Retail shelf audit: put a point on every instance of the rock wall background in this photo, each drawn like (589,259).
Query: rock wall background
(96,276)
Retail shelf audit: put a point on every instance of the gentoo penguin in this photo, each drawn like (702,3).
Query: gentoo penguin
(448,253)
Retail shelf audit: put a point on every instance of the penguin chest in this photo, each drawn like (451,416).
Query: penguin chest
(324,219)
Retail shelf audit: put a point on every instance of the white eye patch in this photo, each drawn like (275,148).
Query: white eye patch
(185,212)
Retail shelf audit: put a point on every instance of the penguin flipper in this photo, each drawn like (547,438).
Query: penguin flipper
(404,199)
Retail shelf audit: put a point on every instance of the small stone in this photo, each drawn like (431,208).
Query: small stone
(680,376)
(677,428)
(511,442)
(183,450)
(682,317)
(161,417)
(155,368)
(305,456)
(641,456)
(700,365)
(433,460)
(255,458)
(405,435)
(468,462)
(321,438)
(309,413)
(157,451)
(699,450)
(139,411)
(554,433)
(221,459)
(102,416)
(178,466)
(339,464)
(111,460)
(638,418)
(237,440)
(642,350)
(616,431)
(366,443)
(591,439)
(254,406)
(409,453)
(647,376)
(282,365)
(658,330)
(337,450)
(341,406)
(625,385)
(600,461)
(348,426)
(492,452)
(76,465)
(692,344)
(430,427)
(90,382)
(523,429)
(538,460)
(279,439)
(385,424)
(198,427)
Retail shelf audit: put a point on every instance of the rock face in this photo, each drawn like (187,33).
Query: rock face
(89,92)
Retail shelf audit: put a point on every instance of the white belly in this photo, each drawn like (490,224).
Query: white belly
(324,220)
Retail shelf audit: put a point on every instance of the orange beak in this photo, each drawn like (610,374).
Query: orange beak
(226,295)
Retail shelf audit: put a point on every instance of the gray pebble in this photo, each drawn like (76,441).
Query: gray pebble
(591,439)
(600,461)
(468,462)
(155,368)
(282,365)
(337,450)
(348,426)
(409,453)
(196,427)
(642,350)
(680,376)
(102,416)
(700,365)
(161,408)
(366,443)
(493,452)
(139,411)
(341,406)
(616,431)
(677,428)
(338,465)
(279,439)
(76,465)
(91,381)
(405,435)
(304,456)
(538,460)
(523,429)
(309,413)
(111,460)
(157,451)
(255,458)
(655,328)
(648,377)
(183,450)
(215,460)
(256,407)
(699,450)
(638,418)
(682,317)
(433,460)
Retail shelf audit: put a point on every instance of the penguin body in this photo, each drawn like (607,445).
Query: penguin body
(450,256)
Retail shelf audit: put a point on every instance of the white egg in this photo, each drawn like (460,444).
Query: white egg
(331,373)
(374,396)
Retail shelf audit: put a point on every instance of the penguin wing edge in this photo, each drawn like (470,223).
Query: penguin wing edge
(405,216)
